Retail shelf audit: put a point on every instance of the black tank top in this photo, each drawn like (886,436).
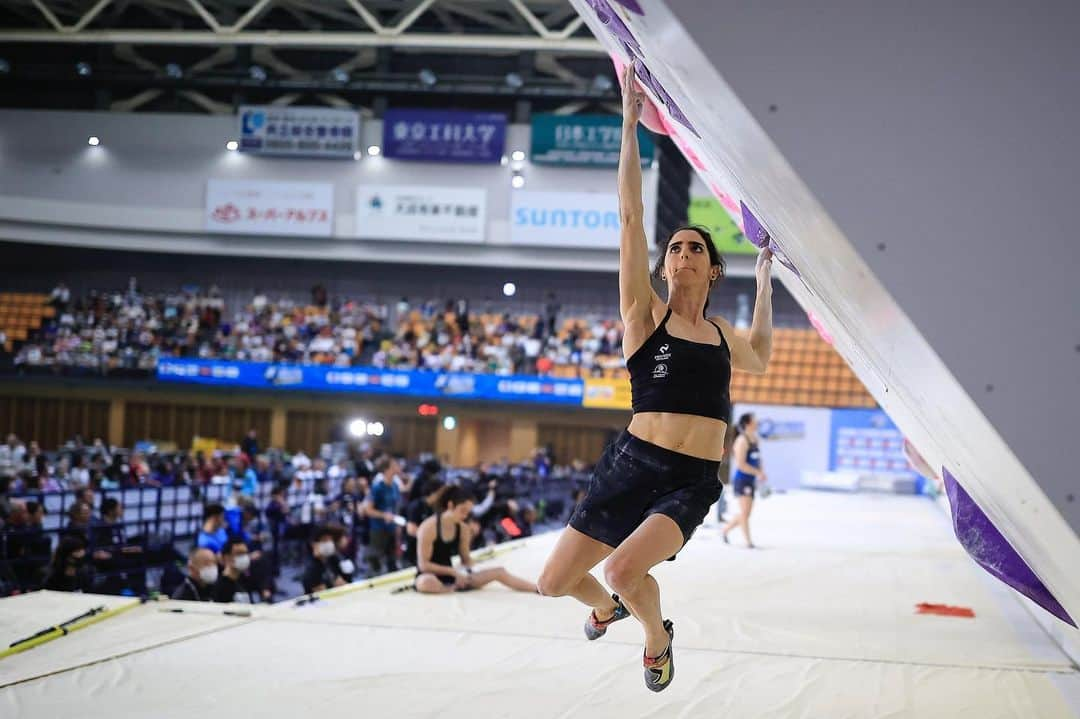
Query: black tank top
(671,374)
(443,552)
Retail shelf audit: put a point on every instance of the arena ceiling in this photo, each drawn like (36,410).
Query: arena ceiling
(208,56)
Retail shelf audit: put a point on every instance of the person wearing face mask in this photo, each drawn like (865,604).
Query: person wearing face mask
(235,580)
(321,571)
(198,585)
(69,570)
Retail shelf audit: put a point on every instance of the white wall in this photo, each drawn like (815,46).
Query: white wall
(144,188)
(801,442)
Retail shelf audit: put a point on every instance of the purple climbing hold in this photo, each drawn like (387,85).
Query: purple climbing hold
(987,546)
(646,78)
(761,239)
(753,230)
(611,20)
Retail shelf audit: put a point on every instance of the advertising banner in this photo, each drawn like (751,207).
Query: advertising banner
(372,380)
(565,219)
(602,393)
(409,212)
(867,441)
(729,239)
(298,131)
(444,136)
(793,440)
(252,207)
(583,141)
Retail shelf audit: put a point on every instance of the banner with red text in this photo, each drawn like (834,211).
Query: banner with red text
(251,207)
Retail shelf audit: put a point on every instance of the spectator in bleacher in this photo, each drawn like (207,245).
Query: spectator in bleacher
(99,450)
(220,472)
(85,495)
(321,572)
(551,314)
(36,513)
(28,547)
(250,444)
(69,570)
(244,479)
(80,518)
(125,559)
(116,474)
(234,582)
(110,530)
(12,456)
(213,534)
(313,510)
(381,509)
(202,575)
(44,479)
(60,297)
(277,511)
(78,475)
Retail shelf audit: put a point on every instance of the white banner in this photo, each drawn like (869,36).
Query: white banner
(793,440)
(410,212)
(565,219)
(299,131)
(250,207)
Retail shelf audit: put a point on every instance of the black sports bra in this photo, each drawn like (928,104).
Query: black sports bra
(672,374)
(444,550)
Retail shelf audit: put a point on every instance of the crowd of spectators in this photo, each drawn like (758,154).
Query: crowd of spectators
(341,517)
(128,331)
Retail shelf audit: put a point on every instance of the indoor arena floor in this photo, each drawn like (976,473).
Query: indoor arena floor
(820,621)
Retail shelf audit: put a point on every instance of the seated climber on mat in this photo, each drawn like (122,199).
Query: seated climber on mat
(445,534)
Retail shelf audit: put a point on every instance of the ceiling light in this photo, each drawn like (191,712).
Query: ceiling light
(427,77)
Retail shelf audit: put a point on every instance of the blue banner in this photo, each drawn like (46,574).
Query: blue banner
(583,140)
(299,131)
(372,380)
(444,136)
(866,440)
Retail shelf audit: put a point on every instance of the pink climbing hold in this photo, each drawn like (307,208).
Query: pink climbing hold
(651,117)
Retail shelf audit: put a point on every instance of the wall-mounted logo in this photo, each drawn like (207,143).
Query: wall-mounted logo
(772,430)
(226,213)
(253,121)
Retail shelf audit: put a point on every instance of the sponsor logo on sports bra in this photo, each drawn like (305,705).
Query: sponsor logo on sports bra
(660,371)
(664,354)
